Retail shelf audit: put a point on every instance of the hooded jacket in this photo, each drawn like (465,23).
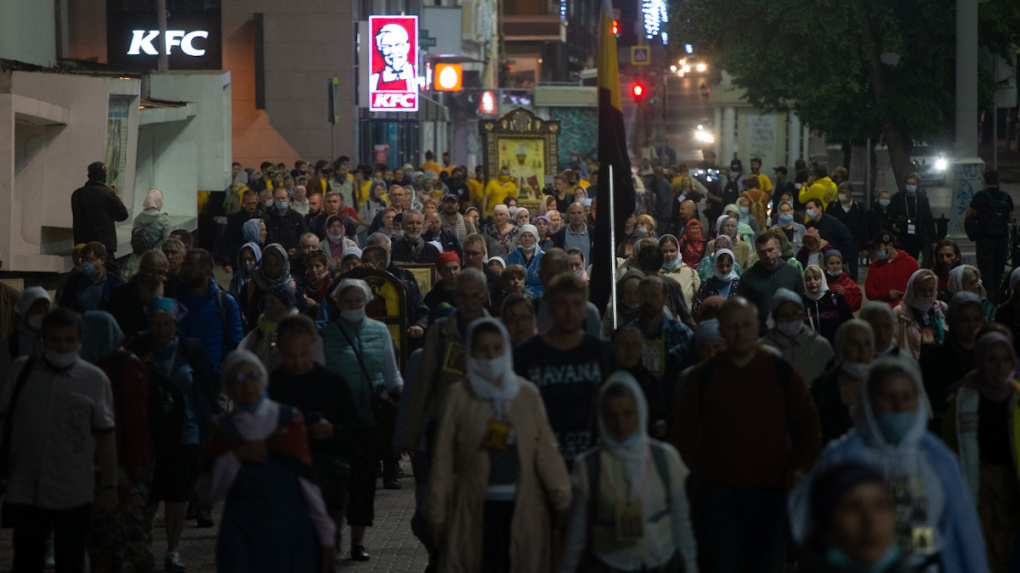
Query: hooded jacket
(920,454)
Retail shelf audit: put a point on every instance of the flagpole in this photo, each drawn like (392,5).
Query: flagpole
(612,242)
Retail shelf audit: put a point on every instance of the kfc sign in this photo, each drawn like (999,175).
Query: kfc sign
(192,40)
(393,60)
(142,41)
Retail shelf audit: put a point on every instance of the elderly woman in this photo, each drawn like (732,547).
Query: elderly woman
(177,366)
(371,208)
(26,340)
(936,522)
(150,228)
(693,243)
(980,426)
(826,309)
(920,317)
(529,255)
(943,366)
(724,282)
(809,351)
(727,226)
(278,303)
(274,519)
(335,242)
(255,231)
(837,391)
(501,234)
(361,350)
(543,226)
(496,469)
(746,226)
(118,540)
(794,231)
(674,267)
(630,510)
(967,278)
(274,270)
(815,249)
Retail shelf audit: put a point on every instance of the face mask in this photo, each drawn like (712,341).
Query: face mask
(786,219)
(926,301)
(504,178)
(672,266)
(856,370)
(895,425)
(249,269)
(490,368)
(790,329)
(335,238)
(642,230)
(579,273)
(846,199)
(810,214)
(884,255)
(834,274)
(745,210)
(911,188)
(89,270)
(268,202)
(35,322)
(61,360)
(353,316)
(529,249)
(733,175)
(884,202)
(282,206)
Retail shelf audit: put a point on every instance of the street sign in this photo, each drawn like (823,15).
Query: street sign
(334,100)
(640,55)
(424,40)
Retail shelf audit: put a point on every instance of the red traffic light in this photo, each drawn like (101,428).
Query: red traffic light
(616,28)
(638,90)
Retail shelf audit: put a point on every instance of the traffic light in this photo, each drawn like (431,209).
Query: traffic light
(638,91)
(616,28)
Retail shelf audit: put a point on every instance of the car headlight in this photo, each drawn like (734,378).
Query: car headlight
(702,68)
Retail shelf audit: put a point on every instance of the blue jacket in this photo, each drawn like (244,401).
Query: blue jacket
(215,319)
(79,282)
(532,284)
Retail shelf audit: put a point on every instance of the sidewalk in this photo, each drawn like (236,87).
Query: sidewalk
(390,543)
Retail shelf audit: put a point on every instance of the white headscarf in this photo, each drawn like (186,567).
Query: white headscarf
(955,282)
(908,296)
(481,373)
(348,283)
(153,201)
(28,297)
(781,296)
(822,289)
(732,275)
(529,228)
(634,451)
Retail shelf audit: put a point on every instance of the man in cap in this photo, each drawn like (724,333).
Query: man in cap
(890,271)
(453,221)
(95,208)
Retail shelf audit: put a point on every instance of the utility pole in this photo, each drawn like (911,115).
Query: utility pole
(164,60)
(967,169)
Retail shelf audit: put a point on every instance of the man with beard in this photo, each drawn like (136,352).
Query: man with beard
(457,183)
(947,258)
(435,232)
(413,248)
(314,208)
(128,302)
(452,220)
(213,315)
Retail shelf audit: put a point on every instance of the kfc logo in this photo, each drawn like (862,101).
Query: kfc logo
(393,80)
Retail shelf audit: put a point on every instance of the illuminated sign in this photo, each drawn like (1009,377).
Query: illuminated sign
(192,40)
(487,103)
(449,77)
(393,61)
(142,41)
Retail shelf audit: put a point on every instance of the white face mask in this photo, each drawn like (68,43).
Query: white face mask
(61,360)
(858,371)
(790,329)
(490,368)
(35,322)
(353,316)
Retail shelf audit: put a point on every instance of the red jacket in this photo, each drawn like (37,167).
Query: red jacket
(851,292)
(884,276)
(130,408)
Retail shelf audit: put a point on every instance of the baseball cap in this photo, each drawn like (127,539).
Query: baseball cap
(882,238)
(780,169)
(452,196)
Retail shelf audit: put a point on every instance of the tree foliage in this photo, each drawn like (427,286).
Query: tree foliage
(823,58)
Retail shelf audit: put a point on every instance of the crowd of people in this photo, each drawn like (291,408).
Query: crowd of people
(742,404)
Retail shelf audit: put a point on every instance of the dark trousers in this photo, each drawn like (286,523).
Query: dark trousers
(852,259)
(496,536)
(740,531)
(991,261)
(31,530)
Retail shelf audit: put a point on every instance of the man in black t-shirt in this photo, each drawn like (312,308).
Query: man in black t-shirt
(993,209)
(568,366)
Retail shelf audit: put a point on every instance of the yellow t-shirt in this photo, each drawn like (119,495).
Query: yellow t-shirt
(766,183)
(431,165)
(583,183)
(477,190)
(497,192)
(366,186)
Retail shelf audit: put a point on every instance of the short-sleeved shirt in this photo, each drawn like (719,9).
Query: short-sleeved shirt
(497,193)
(53,444)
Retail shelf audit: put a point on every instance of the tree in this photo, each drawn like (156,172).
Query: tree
(852,69)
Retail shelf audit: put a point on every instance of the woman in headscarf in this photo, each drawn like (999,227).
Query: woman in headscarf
(920,317)
(258,460)
(674,267)
(967,278)
(784,223)
(943,366)
(840,282)
(981,424)
(254,231)
(495,465)
(118,540)
(335,242)
(630,510)
(274,269)
(529,255)
(278,303)
(727,226)
(361,350)
(500,235)
(809,351)
(693,244)
(855,523)
(177,366)
(814,250)
(370,209)
(724,282)
(936,521)
(542,224)
(837,391)
(744,223)
(1008,313)
(156,225)
(26,340)
(826,310)
(248,258)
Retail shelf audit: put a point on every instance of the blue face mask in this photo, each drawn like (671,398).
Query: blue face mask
(335,238)
(672,266)
(282,205)
(809,214)
(744,210)
(786,219)
(895,425)
(838,558)
(884,255)
(911,188)
(530,248)
(89,270)
(268,202)
(884,202)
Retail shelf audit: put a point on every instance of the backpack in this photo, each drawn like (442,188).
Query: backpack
(759,207)
(141,240)
(995,221)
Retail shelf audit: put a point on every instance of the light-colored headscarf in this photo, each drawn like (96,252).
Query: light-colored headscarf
(28,297)
(824,288)
(733,269)
(634,450)
(266,282)
(352,283)
(719,226)
(530,229)
(994,390)
(235,358)
(153,201)
(252,231)
(908,296)
(104,335)
(955,282)
(240,270)
(780,297)
(482,378)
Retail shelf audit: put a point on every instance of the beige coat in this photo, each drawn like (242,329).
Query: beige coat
(460,471)
(688,279)
(908,332)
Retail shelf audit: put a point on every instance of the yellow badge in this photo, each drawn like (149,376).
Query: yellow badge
(497,435)
(453,362)
(927,336)
(629,517)
(922,540)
